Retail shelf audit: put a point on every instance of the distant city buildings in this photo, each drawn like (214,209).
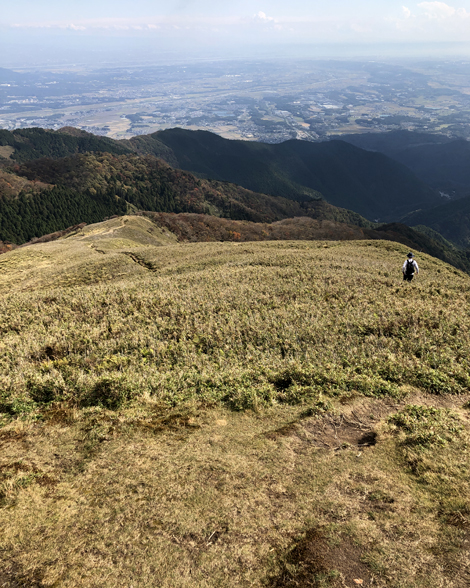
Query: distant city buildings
(269,102)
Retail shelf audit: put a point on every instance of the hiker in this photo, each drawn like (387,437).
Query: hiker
(410,267)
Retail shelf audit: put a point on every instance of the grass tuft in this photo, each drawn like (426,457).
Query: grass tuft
(426,427)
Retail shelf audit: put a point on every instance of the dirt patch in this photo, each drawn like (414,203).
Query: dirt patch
(337,432)
(356,425)
(314,562)
(141,261)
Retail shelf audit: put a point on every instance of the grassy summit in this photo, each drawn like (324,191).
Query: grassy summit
(231,414)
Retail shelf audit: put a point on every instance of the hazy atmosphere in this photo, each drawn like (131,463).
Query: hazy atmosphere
(54,32)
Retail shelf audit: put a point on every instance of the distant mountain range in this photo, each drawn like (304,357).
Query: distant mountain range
(441,162)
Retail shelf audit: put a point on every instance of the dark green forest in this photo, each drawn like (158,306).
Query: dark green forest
(89,187)
(371,184)
(35,143)
(26,217)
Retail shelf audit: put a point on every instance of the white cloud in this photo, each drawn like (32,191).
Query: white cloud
(434,18)
(262,16)
(75,27)
(262,19)
(406,12)
(437,9)
(428,20)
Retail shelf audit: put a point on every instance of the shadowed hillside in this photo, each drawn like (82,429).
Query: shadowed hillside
(435,159)
(451,220)
(368,183)
(352,178)
(46,195)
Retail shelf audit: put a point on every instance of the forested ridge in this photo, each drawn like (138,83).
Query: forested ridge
(35,143)
(88,187)
(26,217)
(372,184)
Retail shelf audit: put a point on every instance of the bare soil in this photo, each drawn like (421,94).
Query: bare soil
(315,562)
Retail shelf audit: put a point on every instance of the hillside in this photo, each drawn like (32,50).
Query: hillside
(368,183)
(438,161)
(26,144)
(392,143)
(196,227)
(348,177)
(89,187)
(451,220)
(231,414)
(325,222)
(43,195)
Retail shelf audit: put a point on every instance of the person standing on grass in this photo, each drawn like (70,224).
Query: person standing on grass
(410,268)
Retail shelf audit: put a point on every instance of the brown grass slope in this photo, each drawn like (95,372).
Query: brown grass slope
(325,222)
(231,414)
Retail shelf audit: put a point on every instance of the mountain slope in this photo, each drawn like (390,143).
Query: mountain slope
(392,143)
(324,223)
(368,183)
(437,160)
(28,144)
(89,187)
(451,220)
(230,414)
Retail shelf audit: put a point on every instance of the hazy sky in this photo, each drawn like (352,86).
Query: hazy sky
(192,25)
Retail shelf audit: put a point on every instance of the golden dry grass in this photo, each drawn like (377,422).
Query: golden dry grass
(215,414)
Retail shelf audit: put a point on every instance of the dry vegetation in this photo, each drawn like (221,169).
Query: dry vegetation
(231,414)
(11,185)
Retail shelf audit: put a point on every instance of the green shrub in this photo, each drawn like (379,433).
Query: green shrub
(109,392)
(251,398)
(46,388)
(425,427)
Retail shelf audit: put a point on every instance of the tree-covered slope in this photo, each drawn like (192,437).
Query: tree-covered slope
(35,143)
(52,194)
(435,159)
(368,183)
(451,220)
